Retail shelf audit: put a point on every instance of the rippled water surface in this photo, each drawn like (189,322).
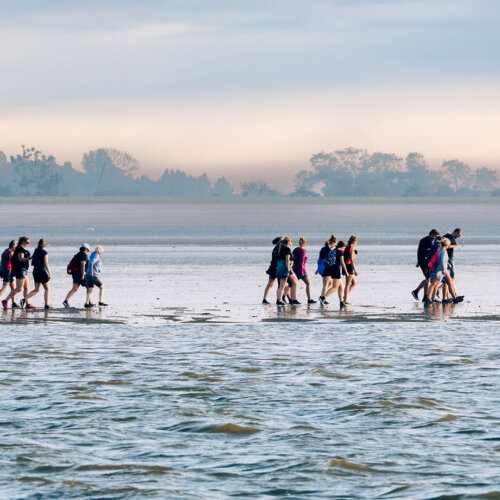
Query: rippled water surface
(187,387)
(257,411)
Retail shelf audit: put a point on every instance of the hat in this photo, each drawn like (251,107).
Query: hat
(85,246)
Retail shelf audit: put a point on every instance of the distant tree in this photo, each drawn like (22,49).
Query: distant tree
(304,183)
(109,172)
(457,173)
(420,181)
(381,174)
(177,183)
(257,189)
(37,173)
(222,188)
(485,179)
(3,158)
(123,161)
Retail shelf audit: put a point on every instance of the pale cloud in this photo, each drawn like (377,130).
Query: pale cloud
(227,86)
(269,137)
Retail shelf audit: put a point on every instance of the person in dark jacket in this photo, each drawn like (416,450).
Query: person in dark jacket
(424,248)
(41,274)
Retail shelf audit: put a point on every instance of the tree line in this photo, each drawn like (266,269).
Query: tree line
(355,172)
(346,172)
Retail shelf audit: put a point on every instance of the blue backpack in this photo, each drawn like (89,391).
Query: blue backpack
(321,266)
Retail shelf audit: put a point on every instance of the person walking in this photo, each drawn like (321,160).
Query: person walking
(6,269)
(335,272)
(424,248)
(453,237)
(93,277)
(20,265)
(438,269)
(41,273)
(299,256)
(77,268)
(271,270)
(326,260)
(349,258)
(285,274)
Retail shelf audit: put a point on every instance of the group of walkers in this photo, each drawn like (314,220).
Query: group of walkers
(435,259)
(336,259)
(84,267)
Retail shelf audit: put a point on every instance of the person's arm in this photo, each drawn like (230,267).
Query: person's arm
(46,263)
(353,257)
(82,269)
(287,261)
(22,258)
(342,262)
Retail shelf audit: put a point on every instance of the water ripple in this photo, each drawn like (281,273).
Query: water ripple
(250,411)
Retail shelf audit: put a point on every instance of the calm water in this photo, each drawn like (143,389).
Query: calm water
(187,387)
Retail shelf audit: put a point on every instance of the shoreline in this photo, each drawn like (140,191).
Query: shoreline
(250,200)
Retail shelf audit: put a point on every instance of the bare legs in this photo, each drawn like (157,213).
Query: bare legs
(425,284)
(7,285)
(21,285)
(90,290)
(350,283)
(307,281)
(46,294)
(327,282)
(336,287)
(435,285)
(283,285)
(73,290)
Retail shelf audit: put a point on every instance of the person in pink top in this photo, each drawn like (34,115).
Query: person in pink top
(299,256)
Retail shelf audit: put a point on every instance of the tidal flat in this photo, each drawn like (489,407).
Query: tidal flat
(186,386)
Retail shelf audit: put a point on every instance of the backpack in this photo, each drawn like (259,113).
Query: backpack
(2,261)
(430,251)
(74,265)
(330,258)
(321,266)
(433,262)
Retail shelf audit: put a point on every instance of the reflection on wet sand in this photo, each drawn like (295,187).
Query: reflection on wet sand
(57,316)
(151,285)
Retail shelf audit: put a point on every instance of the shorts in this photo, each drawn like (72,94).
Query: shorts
(271,271)
(332,272)
(91,281)
(21,273)
(77,280)
(350,268)
(7,276)
(436,276)
(302,277)
(40,276)
(451,268)
(281,270)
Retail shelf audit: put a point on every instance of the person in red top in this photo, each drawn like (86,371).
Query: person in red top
(6,269)
(349,258)
(299,256)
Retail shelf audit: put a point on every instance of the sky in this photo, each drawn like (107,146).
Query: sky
(250,89)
